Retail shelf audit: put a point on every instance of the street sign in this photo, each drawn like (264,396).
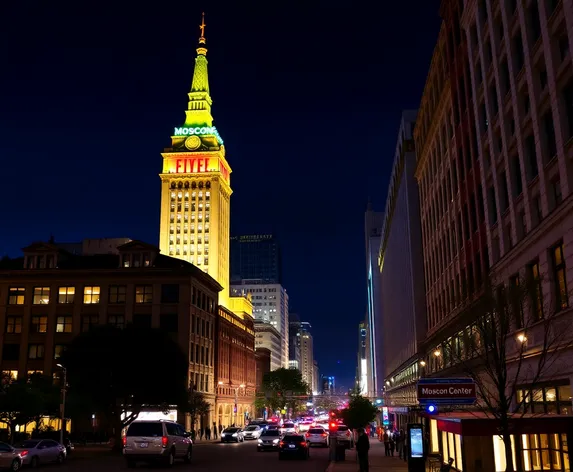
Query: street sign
(458,391)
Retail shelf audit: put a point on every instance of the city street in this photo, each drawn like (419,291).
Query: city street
(206,457)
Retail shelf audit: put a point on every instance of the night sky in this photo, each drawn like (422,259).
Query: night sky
(306,94)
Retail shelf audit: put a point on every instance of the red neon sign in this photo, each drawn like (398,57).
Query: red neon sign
(192,165)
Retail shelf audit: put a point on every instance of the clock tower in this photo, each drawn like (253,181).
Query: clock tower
(196,186)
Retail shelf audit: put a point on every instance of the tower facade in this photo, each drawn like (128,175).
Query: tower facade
(196,186)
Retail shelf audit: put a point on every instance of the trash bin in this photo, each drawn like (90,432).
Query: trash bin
(340,452)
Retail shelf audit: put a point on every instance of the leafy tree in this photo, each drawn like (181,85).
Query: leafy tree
(196,405)
(25,400)
(117,372)
(284,388)
(260,404)
(506,348)
(359,413)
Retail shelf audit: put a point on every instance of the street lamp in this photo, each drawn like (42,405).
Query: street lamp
(63,405)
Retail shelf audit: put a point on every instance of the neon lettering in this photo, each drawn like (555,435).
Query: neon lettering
(185,131)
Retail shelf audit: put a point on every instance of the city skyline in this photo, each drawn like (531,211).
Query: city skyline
(134,104)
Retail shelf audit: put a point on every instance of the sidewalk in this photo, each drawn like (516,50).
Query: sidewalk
(378,461)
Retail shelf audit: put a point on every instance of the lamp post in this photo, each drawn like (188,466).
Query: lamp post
(235,409)
(63,405)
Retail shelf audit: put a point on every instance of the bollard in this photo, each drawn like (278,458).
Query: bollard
(332,451)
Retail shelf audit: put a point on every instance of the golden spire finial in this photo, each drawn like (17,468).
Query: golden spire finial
(202,28)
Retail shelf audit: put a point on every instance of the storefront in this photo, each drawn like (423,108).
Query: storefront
(473,442)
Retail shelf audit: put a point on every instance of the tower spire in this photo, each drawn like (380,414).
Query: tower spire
(202,28)
(199,108)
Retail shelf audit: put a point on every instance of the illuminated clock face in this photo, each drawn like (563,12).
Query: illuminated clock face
(192,142)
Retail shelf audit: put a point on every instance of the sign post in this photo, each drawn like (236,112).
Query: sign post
(456,391)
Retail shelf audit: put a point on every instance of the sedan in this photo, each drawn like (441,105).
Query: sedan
(9,458)
(317,436)
(293,445)
(269,440)
(232,435)
(289,428)
(252,432)
(40,451)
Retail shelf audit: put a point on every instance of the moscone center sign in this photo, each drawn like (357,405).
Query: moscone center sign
(198,131)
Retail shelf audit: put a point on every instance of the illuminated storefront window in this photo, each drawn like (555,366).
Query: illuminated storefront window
(551,399)
(545,452)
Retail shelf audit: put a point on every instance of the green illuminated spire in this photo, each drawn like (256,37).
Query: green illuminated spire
(198,112)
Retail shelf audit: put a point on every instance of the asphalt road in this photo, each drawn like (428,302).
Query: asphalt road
(206,458)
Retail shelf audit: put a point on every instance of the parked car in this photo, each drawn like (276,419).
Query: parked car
(252,432)
(289,428)
(232,435)
(41,451)
(10,458)
(269,440)
(317,436)
(152,441)
(293,445)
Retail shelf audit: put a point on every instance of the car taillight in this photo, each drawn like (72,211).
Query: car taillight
(124,441)
(303,444)
(24,453)
(282,443)
(164,441)
(324,435)
(307,435)
(348,433)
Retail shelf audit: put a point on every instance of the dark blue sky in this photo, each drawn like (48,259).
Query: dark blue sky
(307,96)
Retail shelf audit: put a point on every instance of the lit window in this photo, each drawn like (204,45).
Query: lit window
(143,294)
(14,324)
(91,294)
(16,295)
(64,324)
(39,324)
(66,294)
(41,295)
(9,376)
(35,351)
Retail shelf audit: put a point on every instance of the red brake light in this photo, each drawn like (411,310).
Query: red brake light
(124,441)
(164,440)
(303,444)
(324,435)
(24,453)
(333,425)
(307,435)
(282,443)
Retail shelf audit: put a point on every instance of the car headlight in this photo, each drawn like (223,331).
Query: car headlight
(223,435)
(235,435)
(275,441)
(260,441)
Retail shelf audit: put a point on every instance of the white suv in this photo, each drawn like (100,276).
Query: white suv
(151,441)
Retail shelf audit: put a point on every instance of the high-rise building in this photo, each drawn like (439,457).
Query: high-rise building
(362,369)
(294,341)
(256,256)
(270,305)
(372,228)
(402,281)
(328,385)
(315,377)
(266,336)
(194,226)
(306,353)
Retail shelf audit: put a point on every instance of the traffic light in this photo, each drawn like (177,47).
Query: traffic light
(431,409)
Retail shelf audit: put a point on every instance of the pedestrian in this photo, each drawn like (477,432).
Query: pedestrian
(386,438)
(220,428)
(392,443)
(201,432)
(400,444)
(362,448)
(207,433)
(215,430)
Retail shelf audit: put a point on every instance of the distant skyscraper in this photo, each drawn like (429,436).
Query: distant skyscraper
(372,230)
(306,353)
(266,336)
(255,256)
(270,305)
(328,385)
(315,377)
(294,341)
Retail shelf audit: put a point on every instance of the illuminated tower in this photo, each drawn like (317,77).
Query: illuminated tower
(195,186)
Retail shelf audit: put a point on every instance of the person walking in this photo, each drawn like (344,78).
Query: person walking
(362,448)
(214,430)
(207,433)
(386,438)
(400,444)
(392,443)
(201,433)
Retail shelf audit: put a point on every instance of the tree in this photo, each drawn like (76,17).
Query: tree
(284,388)
(25,400)
(196,405)
(118,372)
(512,342)
(359,413)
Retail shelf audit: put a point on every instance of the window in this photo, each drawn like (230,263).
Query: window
(89,321)
(169,322)
(35,351)
(41,295)
(66,294)
(143,293)
(559,280)
(549,128)
(59,350)
(169,293)
(11,352)
(16,295)
(91,294)
(515,294)
(116,320)
(516,176)
(531,169)
(568,102)
(64,324)
(142,321)
(537,297)
(556,193)
(39,324)
(13,324)
(117,294)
